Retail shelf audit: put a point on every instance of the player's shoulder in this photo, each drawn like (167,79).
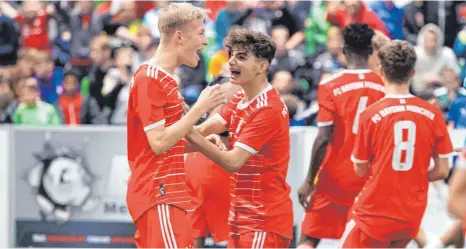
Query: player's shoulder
(350,75)
(432,109)
(150,72)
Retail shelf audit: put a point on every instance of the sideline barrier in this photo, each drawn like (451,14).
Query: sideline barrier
(66,187)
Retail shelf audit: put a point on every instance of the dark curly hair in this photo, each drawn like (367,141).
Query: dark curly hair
(397,59)
(259,44)
(358,39)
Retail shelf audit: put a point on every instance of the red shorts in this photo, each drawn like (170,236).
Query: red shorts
(208,187)
(354,237)
(257,240)
(324,219)
(163,226)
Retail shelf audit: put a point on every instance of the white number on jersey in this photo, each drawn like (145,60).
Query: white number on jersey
(361,106)
(407,146)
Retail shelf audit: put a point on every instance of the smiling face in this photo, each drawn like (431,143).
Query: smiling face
(250,55)
(192,41)
(244,66)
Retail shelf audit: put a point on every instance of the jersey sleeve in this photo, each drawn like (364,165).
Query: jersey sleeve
(258,131)
(326,113)
(150,99)
(443,147)
(361,148)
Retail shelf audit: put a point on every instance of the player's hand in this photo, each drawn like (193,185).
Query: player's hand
(305,193)
(215,139)
(210,97)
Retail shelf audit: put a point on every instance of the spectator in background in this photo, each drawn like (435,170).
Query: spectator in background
(450,90)
(92,111)
(116,86)
(33,111)
(392,17)
(316,27)
(6,99)
(378,41)
(456,96)
(9,41)
(354,11)
(83,25)
(101,53)
(283,82)
(227,16)
(413,21)
(36,31)
(333,60)
(71,100)
(432,58)
(49,78)
(459,48)
(294,106)
(285,59)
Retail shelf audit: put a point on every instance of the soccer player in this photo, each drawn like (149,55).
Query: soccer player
(341,98)
(397,137)
(457,190)
(378,41)
(208,186)
(261,213)
(157,199)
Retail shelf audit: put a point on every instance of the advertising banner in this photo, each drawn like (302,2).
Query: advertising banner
(71,188)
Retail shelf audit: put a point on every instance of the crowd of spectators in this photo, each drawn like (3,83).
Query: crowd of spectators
(70,62)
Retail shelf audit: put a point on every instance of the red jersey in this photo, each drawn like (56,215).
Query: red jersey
(366,16)
(398,136)
(155,179)
(35,34)
(71,108)
(341,99)
(260,195)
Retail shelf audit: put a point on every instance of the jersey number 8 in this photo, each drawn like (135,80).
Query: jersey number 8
(404,146)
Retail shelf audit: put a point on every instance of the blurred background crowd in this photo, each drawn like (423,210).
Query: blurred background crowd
(69,62)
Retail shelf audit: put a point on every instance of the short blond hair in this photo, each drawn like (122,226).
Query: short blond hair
(379,40)
(175,15)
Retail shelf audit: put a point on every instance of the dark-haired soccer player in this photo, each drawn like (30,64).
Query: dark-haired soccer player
(341,99)
(397,137)
(261,213)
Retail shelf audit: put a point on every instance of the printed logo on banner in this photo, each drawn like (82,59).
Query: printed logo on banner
(62,181)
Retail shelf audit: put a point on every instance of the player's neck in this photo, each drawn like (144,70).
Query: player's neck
(165,58)
(396,89)
(251,90)
(358,65)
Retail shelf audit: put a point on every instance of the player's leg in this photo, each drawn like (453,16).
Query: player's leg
(324,219)
(216,202)
(163,226)
(399,243)
(258,240)
(194,188)
(454,236)
(149,230)
(354,237)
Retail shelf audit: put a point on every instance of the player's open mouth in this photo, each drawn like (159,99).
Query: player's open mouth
(235,72)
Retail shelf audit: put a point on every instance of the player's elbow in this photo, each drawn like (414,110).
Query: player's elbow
(232,166)
(360,169)
(441,169)
(158,147)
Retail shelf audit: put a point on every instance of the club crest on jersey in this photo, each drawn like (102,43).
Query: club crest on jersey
(62,181)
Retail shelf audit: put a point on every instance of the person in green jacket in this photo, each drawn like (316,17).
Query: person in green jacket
(31,110)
